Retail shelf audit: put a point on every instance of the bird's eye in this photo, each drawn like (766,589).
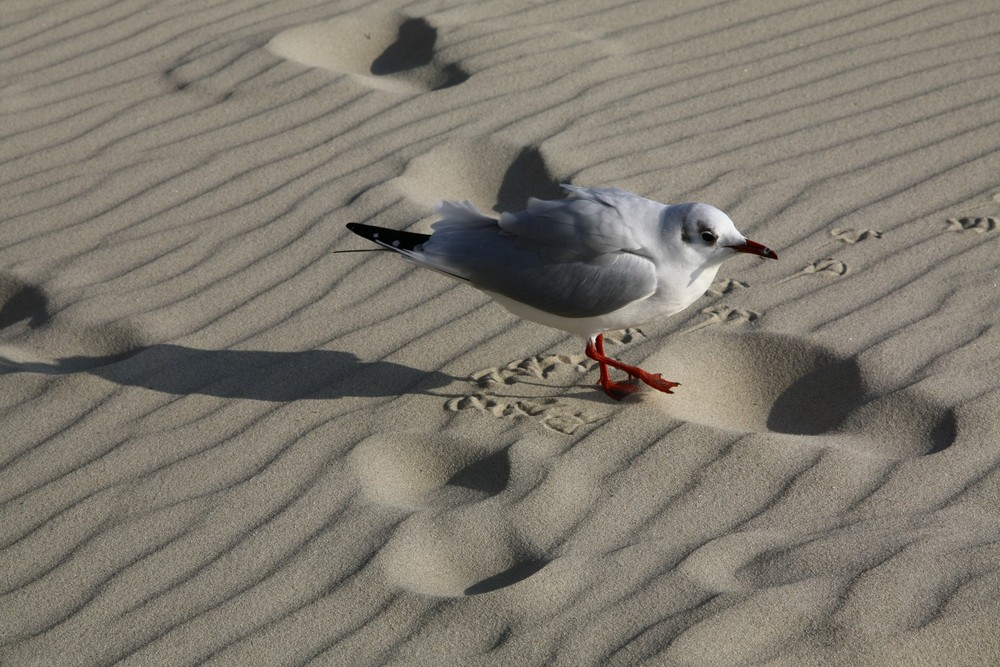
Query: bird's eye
(709,237)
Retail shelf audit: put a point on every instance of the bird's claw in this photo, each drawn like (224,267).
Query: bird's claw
(656,381)
(619,390)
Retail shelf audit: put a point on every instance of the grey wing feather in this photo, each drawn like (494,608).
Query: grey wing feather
(579,226)
(574,289)
(568,257)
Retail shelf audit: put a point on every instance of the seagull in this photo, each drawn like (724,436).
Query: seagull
(600,260)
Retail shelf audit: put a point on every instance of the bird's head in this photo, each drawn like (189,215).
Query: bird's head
(707,232)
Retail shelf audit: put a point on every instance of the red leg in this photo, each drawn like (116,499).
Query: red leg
(616,390)
(619,390)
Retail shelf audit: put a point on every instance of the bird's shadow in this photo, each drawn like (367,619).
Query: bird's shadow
(250,374)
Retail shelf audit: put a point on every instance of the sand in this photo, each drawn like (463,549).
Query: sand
(225,444)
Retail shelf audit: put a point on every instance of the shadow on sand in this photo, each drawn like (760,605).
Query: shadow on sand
(251,374)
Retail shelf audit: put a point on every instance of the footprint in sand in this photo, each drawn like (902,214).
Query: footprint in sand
(852,236)
(411,472)
(723,286)
(492,174)
(32,339)
(388,52)
(552,413)
(769,383)
(977,225)
(447,484)
(723,314)
(533,376)
(22,302)
(427,553)
(827,267)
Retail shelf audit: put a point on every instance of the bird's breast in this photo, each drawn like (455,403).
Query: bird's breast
(676,291)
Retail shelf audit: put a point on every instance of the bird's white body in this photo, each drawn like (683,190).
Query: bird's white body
(636,313)
(600,260)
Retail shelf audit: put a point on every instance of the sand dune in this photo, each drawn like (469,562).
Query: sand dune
(225,444)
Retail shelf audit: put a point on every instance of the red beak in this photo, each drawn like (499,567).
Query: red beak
(754,248)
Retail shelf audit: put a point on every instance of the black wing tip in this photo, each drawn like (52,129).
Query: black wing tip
(389,238)
(359,228)
(370,232)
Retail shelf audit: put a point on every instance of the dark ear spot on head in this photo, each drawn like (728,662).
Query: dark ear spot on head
(685,237)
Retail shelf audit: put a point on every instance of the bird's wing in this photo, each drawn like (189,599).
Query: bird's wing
(592,221)
(573,258)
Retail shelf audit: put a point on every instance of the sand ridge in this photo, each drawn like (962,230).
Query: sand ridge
(225,444)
